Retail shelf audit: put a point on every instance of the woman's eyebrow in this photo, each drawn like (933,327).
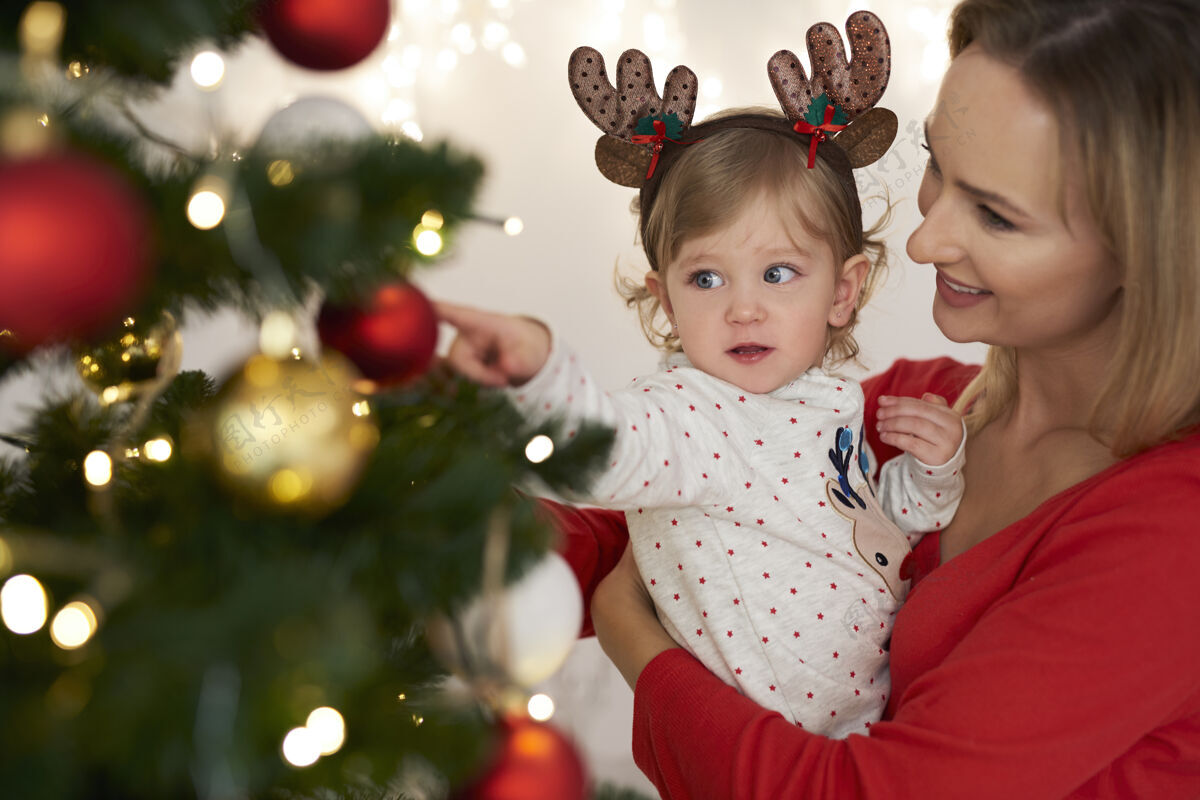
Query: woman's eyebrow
(978,193)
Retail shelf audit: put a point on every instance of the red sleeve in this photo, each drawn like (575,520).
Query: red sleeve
(1078,676)
(592,541)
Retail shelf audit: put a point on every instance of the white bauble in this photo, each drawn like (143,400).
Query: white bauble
(303,123)
(524,637)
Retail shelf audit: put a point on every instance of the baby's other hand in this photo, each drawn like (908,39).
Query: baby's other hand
(925,428)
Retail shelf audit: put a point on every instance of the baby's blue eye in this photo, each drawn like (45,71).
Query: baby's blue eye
(707,279)
(779,273)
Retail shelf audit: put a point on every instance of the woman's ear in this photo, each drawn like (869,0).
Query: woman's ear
(657,286)
(847,288)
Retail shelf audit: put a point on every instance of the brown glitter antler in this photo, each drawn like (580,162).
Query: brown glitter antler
(855,86)
(617,109)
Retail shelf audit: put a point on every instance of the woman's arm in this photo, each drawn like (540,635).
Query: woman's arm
(1075,677)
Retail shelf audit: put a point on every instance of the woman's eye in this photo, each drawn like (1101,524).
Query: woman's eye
(779,273)
(707,279)
(932,163)
(993,220)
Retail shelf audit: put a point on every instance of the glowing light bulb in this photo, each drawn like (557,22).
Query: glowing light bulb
(328,728)
(494,33)
(539,448)
(97,468)
(41,28)
(206,209)
(73,625)
(277,334)
(158,449)
(541,707)
(428,242)
(361,409)
(300,747)
(711,87)
(412,130)
(514,54)
(280,172)
(208,69)
(23,604)
(513,226)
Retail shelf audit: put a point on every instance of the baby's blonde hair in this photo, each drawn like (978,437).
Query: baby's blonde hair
(714,180)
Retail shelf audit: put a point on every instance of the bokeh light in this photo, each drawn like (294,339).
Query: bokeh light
(97,468)
(73,625)
(329,729)
(539,448)
(208,69)
(300,747)
(541,707)
(23,604)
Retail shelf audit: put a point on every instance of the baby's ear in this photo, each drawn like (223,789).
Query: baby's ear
(847,288)
(656,285)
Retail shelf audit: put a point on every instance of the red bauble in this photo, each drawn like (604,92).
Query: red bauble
(324,34)
(391,340)
(74,249)
(534,762)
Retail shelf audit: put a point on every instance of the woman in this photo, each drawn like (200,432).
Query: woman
(1051,641)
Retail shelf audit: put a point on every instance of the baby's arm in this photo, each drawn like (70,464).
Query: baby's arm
(920,490)
(663,453)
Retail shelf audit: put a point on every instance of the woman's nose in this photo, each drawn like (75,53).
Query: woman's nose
(937,239)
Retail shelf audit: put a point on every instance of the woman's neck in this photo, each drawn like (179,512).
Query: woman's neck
(1058,386)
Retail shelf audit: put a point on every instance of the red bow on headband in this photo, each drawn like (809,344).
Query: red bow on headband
(817,132)
(657,138)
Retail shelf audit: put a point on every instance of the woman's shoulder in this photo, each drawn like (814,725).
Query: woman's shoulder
(911,378)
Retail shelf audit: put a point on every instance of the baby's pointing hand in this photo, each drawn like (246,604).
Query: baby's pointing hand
(494,349)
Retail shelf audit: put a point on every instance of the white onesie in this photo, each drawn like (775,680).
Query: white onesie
(755,529)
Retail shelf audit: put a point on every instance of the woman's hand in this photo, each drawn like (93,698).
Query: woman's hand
(494,349)
(926,428)
(626,625)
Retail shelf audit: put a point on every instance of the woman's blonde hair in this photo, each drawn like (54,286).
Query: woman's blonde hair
(1124,78)
(712,182)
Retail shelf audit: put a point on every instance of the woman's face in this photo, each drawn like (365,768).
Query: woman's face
(1019,260)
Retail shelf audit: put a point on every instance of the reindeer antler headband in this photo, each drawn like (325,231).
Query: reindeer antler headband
(643,131)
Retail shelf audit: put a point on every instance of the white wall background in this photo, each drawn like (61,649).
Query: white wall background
(513,108)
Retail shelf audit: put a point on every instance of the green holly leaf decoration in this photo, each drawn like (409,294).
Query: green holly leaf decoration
(673,124)
(816,112)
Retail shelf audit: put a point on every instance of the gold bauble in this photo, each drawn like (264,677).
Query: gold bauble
(143,354)
(292,434)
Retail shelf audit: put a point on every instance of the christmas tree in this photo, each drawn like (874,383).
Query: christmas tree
(238,590)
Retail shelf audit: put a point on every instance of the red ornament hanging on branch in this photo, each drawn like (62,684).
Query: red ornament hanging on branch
(533,762)
(74,249)
(391,340)
(324,34)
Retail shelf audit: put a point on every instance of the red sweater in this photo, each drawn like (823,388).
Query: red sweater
(1058,658)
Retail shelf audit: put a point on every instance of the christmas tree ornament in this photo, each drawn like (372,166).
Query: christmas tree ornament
(533,761)
(291,434)
(324,34)
(391,339)
(139,358)
(522,637)
(292,131)
(76,249)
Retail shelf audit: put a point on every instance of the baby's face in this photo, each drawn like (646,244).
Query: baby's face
(752,301)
